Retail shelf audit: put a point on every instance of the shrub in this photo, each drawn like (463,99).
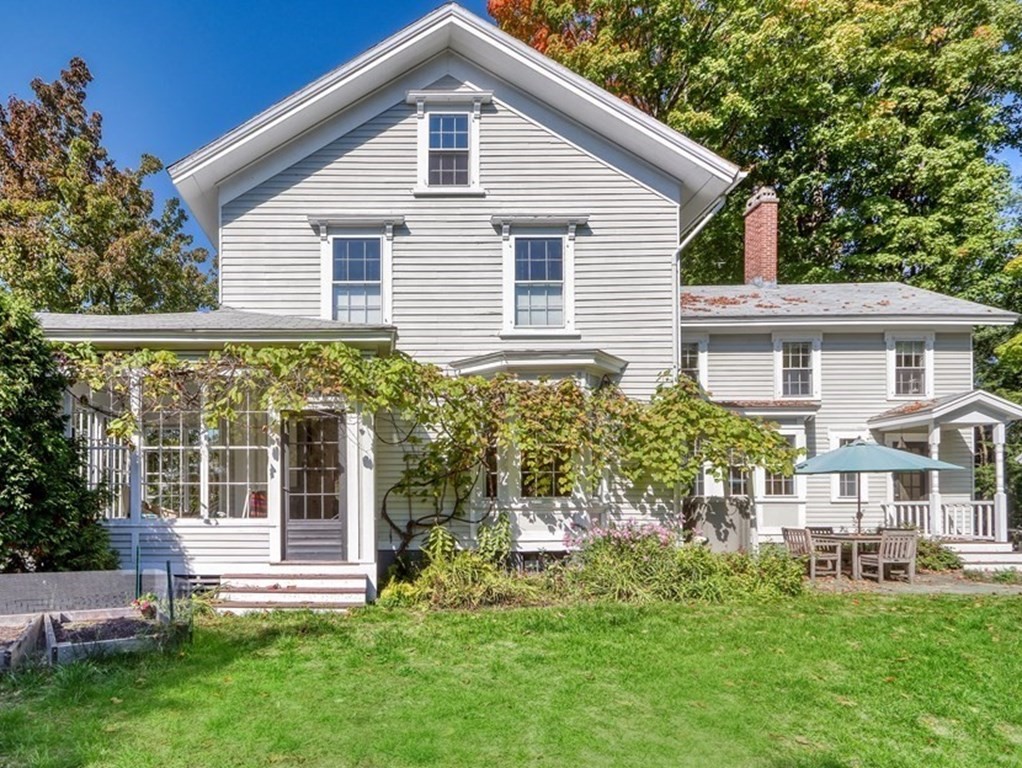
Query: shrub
(642,563)
(48,514)
(931,555)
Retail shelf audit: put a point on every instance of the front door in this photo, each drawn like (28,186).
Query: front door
(315,498)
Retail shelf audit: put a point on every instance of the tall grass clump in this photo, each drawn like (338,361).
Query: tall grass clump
(640,563)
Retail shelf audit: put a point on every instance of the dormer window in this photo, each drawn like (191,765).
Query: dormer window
(448,141)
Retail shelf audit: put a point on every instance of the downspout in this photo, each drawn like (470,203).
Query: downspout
(703,219)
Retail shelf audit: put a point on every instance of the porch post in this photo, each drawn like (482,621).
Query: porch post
(1000,497)
(936,514)
(275,486)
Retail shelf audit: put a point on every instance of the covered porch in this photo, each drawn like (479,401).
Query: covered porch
(920,501)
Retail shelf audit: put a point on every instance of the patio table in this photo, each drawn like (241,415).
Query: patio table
(855,539)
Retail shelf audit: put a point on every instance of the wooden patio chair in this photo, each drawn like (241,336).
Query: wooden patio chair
(897,548)
(823,560)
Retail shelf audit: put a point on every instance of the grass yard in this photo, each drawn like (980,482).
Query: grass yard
(822,681)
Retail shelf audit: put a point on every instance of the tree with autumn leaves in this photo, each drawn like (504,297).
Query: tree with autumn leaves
(77,232)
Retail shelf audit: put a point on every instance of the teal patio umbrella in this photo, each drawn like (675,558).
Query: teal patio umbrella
(860,457)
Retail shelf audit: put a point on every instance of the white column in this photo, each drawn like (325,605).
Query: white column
(275,488)
(1000,497)
(936,514)
(135,458)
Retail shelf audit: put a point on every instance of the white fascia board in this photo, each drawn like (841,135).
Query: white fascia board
(907,322)
(448,27)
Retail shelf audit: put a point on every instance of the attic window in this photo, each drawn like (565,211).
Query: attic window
(448,141)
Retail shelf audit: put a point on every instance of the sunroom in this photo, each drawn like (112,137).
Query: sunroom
(216,495)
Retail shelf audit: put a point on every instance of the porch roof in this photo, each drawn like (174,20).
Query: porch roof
(974,407)
(772,408)
(203,330)
(594,361)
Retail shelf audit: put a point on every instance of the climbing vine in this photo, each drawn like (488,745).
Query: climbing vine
(446,425)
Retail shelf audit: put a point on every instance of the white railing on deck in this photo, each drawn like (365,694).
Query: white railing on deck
(962,520)
(908,514)
(969,520)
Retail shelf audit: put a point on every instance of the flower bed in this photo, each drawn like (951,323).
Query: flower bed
(19,637)
(80,634)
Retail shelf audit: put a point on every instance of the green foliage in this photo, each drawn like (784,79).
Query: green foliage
(440,546)
(642,564)
(878,122)
(494,542)
(48,515)
(447,424)
(931,555)
(77,233)
(467,580)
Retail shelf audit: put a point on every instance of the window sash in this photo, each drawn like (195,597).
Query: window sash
(690,360)
(797,369)
(544,481)
(910,368)
(357,280)
(539,282)
(738,481)
(449,147)
(776,484)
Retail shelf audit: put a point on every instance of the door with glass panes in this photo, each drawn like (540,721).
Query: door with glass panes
(315,499)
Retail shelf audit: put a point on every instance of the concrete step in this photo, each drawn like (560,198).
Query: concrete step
(967,547)
(992,561)
(240,609)
(294,581)
(346,595)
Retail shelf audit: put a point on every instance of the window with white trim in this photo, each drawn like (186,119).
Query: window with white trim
(171,450)
(777,484)
(544,478)
(690,360)
(539,282)
(738,481)
(238,466)
(845,485)
(357,280)
(909,365)
(797,363)
(448,149)
(448,141)
(796,369)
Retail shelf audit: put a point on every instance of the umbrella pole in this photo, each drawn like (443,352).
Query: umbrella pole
(858,502)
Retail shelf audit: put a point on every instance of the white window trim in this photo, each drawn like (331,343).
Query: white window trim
(835,437)
(890,340)
(816,360)
(704,356)
(568,251)
(385,234)
(759,479)
(448,102)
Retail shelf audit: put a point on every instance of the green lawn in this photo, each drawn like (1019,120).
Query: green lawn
(821,681)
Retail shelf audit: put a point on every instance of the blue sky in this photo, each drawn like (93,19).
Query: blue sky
(171,76)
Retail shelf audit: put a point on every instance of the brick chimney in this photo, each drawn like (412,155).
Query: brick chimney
(761,237)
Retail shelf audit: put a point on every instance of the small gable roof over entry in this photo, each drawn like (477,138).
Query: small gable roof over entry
(704,176)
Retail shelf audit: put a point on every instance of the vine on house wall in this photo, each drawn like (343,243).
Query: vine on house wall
(447,423)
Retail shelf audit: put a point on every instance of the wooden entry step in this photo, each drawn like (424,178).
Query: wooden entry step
(247,592)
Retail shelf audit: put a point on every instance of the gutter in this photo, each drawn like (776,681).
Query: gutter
(687,237)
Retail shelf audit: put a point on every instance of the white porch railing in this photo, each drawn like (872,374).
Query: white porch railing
(970,520)
(964,520)
(908,514)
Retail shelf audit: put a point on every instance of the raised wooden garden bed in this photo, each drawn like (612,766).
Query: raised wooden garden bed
(74,635)
(19,638)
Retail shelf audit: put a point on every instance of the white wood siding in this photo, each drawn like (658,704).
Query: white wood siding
(447,259)
(191,546)
(854,389)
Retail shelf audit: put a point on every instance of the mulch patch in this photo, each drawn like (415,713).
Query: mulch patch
(102,629)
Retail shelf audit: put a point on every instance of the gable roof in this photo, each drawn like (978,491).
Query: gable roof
(884,304)
(203,329)
(705,176)
(975,406)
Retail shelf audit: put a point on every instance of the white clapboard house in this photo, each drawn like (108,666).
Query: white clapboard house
(386,204)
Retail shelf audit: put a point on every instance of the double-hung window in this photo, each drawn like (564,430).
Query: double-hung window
(539,282)
(797,367)
(357,280)
(776,484)
(909,365)
(448,149)
(544,478)
(448,141)
(539,273)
